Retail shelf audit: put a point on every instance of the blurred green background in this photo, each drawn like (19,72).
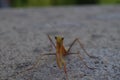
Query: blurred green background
(36,3)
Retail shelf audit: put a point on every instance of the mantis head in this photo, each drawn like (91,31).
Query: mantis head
(59,39)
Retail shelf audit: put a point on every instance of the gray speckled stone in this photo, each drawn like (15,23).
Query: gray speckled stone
(23,39)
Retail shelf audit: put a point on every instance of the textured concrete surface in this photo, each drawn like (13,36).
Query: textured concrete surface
(23,39)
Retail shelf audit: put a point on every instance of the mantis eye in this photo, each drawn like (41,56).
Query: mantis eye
(55,37)
(62,38)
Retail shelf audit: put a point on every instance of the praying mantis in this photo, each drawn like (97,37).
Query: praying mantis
(61,52)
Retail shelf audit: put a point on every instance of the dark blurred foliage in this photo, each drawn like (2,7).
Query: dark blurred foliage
(73,2)
(36,3)
(22,3)
(18,3)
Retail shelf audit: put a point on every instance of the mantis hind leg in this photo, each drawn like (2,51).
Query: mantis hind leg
(31,67)
(84,61)
(27,69)
(81,45)
(79,54)
(65,69)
